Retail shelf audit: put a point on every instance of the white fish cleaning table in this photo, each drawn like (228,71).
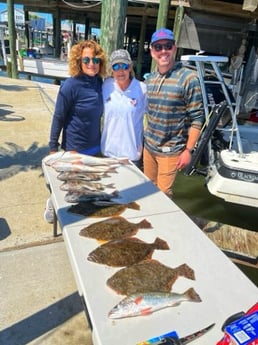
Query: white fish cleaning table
(223,288)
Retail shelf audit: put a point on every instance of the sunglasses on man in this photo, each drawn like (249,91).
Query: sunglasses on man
(159,47)
(86,60)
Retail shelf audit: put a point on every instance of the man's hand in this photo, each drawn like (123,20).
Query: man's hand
(184,159)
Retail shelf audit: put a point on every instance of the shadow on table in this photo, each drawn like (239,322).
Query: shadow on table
(34,326)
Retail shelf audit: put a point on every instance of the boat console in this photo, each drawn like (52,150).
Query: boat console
(229,173)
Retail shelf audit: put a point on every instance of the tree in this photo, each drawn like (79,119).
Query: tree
(113,14)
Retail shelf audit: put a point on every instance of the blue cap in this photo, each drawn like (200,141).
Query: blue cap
(162,34)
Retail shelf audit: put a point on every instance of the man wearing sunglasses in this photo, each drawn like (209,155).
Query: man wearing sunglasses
(174,116)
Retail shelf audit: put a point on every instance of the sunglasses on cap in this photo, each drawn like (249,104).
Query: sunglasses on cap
(86,60)
(118,66)
(166,46)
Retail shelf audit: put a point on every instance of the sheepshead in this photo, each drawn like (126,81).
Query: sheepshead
(101,209)
(81,176)
(81,186)
(125,252)
(147,276)
(113,228)
(146,303)
(75,197)
(80,167)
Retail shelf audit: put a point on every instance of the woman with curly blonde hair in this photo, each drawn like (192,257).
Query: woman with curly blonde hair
(75,66)
(79,105)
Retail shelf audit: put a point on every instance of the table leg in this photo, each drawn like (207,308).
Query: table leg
(55,225)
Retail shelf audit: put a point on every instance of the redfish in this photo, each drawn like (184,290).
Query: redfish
(80,167)
(147,303)
(64,156)
(92,160)
(113,228)
(125,252)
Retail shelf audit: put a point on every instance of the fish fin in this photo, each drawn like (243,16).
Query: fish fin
(144,224)
(76,161)
(185,271)
(146,311)
(161,244)
(138,299)
(192,295)
(133,205)
(110,185)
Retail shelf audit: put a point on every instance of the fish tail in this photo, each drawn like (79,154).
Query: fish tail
(105,175)
(160,244)
(110,185)
(192,295)
(133,205)
(112,170)
(124,161)
(144,224)
(185,271)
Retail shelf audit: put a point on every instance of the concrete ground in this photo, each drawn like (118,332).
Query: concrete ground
(39,302)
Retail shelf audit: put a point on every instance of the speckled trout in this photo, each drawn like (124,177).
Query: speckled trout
(147,303)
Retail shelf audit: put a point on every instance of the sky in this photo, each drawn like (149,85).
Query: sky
(47,16)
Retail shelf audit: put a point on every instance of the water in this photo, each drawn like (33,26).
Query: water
(193,197)
(3,73)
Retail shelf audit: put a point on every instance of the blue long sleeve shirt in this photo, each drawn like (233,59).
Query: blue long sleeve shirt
(77,115)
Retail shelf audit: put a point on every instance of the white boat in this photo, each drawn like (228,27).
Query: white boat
(226,154)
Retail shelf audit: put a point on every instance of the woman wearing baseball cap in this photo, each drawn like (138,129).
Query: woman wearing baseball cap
(124,105)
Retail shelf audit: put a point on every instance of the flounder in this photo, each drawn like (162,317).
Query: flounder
(147,276)
(113,228)
(125,252)
(101,209)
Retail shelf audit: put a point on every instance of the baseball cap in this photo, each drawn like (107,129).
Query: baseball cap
(162,34)
(120,56)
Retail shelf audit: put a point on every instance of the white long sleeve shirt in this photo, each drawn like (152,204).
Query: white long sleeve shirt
(122,134)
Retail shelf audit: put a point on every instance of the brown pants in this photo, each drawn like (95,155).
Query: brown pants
(161,170)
